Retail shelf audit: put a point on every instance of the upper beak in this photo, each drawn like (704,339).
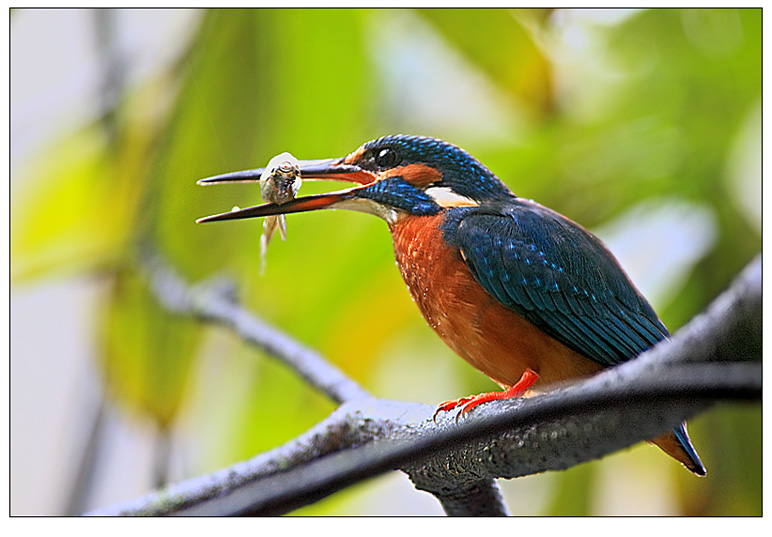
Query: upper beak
(333,170)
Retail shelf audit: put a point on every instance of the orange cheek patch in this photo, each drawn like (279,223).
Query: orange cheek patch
(419,175)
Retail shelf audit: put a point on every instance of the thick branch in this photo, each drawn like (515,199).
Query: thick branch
(505,439)
(614,409)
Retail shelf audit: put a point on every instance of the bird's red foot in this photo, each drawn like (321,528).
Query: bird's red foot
(527,380)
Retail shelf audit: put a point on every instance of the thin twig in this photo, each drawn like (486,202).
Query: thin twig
(213,301)
(91,455)
(162,452)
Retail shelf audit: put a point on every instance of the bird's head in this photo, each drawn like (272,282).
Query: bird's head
(396,175)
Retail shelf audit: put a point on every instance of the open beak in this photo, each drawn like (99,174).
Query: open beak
(332,170)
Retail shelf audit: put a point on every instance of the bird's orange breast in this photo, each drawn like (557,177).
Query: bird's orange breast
(494,339)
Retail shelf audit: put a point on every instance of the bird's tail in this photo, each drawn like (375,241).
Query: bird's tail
(678,445)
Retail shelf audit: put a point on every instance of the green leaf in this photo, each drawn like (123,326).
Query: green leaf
(147,352)
(65,216)
(499,43)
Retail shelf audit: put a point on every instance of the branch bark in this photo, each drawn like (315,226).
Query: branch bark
(705,362)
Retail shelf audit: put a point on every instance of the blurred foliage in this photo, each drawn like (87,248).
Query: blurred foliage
(147,352)
(652,111)
(525,73)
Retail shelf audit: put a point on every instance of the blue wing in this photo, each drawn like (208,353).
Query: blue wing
(558,276)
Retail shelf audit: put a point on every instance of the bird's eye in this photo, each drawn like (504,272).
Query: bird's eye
(387,158)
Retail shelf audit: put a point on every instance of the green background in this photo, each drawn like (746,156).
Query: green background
(643,126)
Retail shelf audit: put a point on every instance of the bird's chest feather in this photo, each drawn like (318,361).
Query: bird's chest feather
(491,337)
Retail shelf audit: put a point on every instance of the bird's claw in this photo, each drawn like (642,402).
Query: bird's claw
(447,406)
(528,378)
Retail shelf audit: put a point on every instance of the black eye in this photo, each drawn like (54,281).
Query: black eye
(386,158)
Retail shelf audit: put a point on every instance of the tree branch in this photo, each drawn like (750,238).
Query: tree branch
(616,408)
(482,499)
(214,301)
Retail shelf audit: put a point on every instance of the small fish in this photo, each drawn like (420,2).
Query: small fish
(279,183)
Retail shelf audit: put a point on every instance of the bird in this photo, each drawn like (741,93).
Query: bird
(519,291)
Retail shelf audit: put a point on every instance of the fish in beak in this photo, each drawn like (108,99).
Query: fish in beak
(331,170)
(279,183)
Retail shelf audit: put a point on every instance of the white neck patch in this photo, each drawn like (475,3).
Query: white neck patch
(445,197)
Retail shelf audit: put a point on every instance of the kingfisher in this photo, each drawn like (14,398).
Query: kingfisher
(516,289)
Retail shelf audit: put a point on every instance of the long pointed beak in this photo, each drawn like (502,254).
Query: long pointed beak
(299,205)
(333,169)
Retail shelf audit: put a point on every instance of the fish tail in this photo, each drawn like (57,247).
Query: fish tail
(283,227)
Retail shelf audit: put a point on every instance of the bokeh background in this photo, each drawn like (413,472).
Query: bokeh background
(642,125)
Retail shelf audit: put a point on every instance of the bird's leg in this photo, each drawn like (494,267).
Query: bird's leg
(527,380)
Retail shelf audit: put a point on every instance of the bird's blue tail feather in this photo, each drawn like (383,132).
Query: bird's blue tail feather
(686,444)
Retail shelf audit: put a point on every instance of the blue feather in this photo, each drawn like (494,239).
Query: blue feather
(398,193)
(685,443)
(557,276)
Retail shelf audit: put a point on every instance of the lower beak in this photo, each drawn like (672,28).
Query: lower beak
(333,170)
